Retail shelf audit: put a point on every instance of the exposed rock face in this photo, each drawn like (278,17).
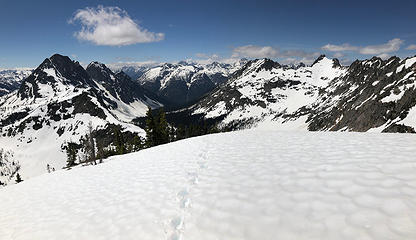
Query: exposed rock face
(373,94)
(119,85)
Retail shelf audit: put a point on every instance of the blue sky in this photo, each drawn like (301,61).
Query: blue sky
(168,31)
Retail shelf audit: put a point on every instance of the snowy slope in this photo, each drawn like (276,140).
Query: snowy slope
(240,185)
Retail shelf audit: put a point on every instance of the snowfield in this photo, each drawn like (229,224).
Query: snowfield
(242,185)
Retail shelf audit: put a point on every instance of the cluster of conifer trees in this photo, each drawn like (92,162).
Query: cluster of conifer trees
(91,148)
(157,128)
(159,132)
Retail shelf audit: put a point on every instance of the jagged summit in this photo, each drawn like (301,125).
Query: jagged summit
(267,65)
(53,74)
(67,68)
(100,72)
(320,58)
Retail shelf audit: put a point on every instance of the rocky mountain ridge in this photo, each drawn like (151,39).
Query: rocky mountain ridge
(369,95)
(185,82)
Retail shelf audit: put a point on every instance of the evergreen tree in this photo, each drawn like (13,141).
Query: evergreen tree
(162,128)
(100,152)
(71,153)
(86,148)
(214,129)
(180,132)
(119,141)
(137,143)
(157,128)
(1,157)
(18,178)
(91,145)
(150,128)
(172,134)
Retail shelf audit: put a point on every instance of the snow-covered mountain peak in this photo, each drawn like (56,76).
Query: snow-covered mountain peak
(69,69)
(323,61)
(54,77)
(256,66)
(56,102)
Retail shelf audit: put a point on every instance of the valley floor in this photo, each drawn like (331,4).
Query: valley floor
(240,185)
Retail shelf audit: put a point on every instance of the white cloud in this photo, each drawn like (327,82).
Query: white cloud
(284,57)
(251,51)
(411,47)
(111,26)
(338,55)
(384,56)
(214,57)
(339,48)
(118,65)
(203,58)
(391,46)
(345,61)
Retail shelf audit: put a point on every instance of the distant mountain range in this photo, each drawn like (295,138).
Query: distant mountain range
(10,80)
(44,109)
(181,83)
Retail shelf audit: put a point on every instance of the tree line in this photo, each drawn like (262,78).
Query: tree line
(99,144)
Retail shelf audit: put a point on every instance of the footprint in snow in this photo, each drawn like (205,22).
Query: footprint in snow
(202,165)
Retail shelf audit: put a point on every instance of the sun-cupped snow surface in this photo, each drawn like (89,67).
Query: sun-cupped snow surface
(240,185)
